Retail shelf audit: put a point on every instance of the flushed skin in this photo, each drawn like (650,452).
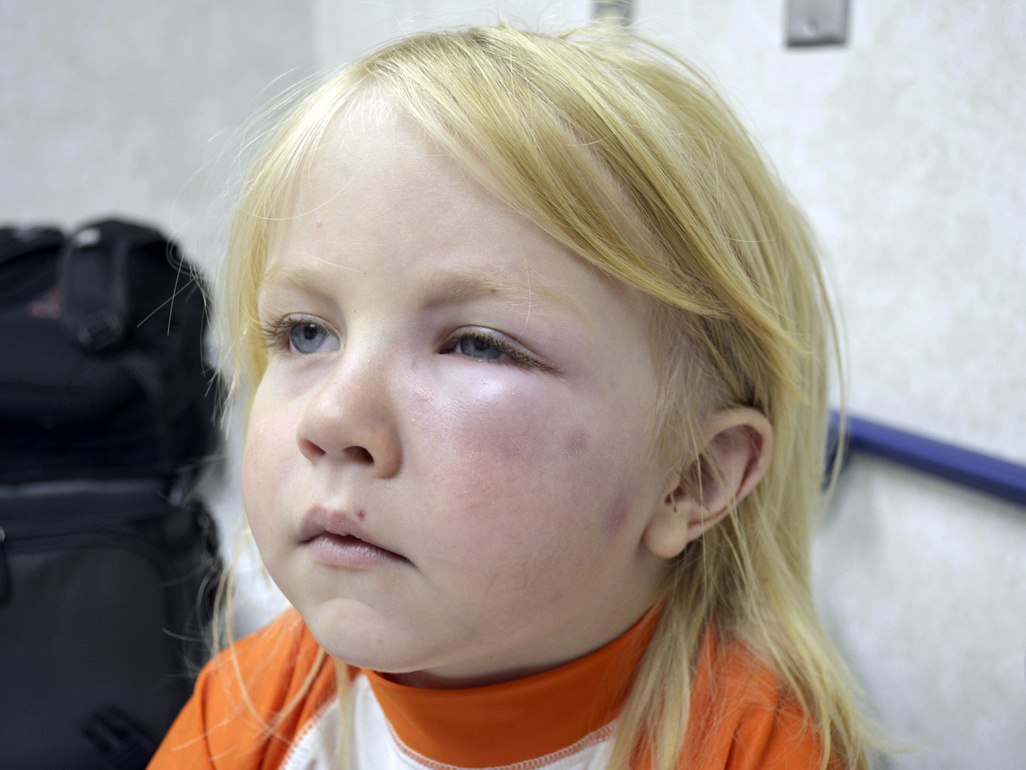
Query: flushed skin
(456,423)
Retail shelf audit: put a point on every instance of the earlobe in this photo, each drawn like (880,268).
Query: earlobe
(667,532)
(738,445)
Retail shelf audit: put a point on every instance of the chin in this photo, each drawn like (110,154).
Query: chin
(361,643)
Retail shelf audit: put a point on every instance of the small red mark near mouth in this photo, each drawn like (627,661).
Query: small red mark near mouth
(360,514)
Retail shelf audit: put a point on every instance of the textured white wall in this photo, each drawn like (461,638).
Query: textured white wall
(120,106)
(346,30)
(921,583)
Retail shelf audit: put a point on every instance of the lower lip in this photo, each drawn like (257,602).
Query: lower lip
(348,551)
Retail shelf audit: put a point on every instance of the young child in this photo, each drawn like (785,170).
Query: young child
(538,426)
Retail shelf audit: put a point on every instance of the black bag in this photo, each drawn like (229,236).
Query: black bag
(102,371)
(108,564)
(107,591)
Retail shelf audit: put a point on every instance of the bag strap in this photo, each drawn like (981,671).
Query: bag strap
(93,279)
(16,242)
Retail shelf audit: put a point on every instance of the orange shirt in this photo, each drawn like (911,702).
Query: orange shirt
(557,720)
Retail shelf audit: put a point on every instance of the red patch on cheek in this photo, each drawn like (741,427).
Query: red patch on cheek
(619,514)
(577,443)
(500,424)
(522,441)
(514,448)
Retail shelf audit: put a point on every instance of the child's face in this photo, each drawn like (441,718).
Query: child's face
(449,468)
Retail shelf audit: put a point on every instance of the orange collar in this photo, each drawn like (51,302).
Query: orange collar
(520,720)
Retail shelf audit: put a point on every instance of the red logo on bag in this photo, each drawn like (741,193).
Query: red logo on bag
(47,306)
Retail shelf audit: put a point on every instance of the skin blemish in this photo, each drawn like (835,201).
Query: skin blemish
(577,443)
(620,511)
(522,440)
(360,514)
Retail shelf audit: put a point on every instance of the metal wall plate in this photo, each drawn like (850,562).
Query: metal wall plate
(816,22)
(617,11)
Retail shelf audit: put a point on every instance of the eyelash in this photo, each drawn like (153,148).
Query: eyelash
(277,334)
(515,356)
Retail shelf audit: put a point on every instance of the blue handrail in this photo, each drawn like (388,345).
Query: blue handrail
(972,469)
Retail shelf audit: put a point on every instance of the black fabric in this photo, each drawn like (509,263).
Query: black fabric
(108,563)
(103,373)
(109,589)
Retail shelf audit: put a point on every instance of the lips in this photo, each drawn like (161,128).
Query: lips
(337,538)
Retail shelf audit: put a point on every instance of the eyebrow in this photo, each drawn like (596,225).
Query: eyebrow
(455,288)
(439,289)
(291,277)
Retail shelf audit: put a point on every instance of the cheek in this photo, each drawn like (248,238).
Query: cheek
(577,442)
(524,435)
(253,476)
(523,461)
(619,513)
(267,440)
(498,422)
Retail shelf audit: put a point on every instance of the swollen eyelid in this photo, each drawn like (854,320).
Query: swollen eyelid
(489,349)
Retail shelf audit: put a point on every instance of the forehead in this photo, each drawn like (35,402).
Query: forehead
(375,182)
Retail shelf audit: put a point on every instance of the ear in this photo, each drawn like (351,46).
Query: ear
(738,445)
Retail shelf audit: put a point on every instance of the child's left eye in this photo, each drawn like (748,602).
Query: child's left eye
(485,347)
(476,347)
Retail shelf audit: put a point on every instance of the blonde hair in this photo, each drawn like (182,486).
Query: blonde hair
(628,156)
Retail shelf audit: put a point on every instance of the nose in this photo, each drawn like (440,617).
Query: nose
(350,419)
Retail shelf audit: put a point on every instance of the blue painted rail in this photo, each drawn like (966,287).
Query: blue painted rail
(972,469)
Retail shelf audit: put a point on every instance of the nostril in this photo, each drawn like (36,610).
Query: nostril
(310,449)
(359,454)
